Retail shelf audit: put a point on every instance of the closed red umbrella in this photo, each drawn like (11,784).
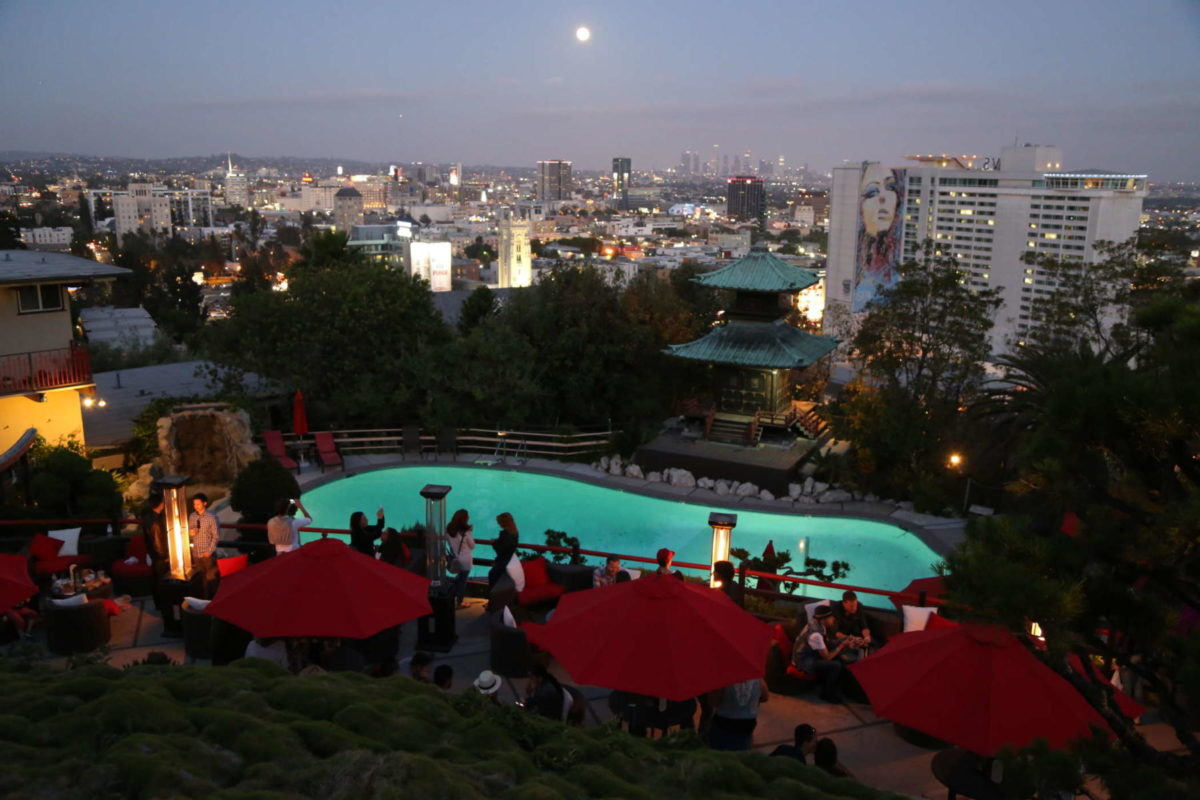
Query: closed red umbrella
(299,414)
(657,636)
(15,585)
(321,589)
(975,686)
(933,588)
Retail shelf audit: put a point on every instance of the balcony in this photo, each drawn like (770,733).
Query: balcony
(42,370)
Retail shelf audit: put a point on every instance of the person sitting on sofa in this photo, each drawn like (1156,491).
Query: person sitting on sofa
(607,574)
(813,654)
(852,624)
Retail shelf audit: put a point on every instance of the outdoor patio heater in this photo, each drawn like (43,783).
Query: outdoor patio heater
(175,513)
(437,630)
(722,537)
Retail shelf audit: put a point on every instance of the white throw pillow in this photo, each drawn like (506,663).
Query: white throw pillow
(195,603)
(811,608)
(70,539)
(634,574)
(80,599)
(507,617)
(916,617)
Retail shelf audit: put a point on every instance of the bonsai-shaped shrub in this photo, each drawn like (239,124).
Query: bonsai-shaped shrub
(255,491)
(563,539)
(64,485)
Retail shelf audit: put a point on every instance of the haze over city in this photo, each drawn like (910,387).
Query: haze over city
(1113,83)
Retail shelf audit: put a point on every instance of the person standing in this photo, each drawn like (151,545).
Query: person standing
(283,529)
(205,533)
(735,714)
(505,545)
(666,558)
(461,544)
(154,533)
(729,585)
(362,535)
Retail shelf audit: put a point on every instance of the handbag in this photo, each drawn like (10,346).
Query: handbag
(454,561)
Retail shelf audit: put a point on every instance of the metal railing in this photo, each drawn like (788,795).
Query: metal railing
(21,373)
(548,444)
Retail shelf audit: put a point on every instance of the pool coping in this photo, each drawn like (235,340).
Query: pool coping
(940,534)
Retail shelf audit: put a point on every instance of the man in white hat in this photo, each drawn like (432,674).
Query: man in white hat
(488,683)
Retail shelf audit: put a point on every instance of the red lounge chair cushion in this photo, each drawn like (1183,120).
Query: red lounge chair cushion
(44,547)
(536,573)
(798,674)
(228,566)
(120,569)
(540,593)
(936,621)
(49,566)
(136,548)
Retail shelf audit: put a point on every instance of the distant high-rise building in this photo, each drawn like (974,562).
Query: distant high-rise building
(685,162)
(746,200)
(347,208)
(237,188)
(746,167)
(765,168)
(621,174)
(515,268)
(695,163)
(554,180)
(725,164)
(989,215)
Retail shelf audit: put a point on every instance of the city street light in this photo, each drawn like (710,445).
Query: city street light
(957,462)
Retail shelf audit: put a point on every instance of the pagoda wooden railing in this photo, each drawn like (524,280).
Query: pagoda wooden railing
(812,422)
(709,416)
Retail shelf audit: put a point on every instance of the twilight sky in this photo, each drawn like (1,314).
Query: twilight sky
(1115,83)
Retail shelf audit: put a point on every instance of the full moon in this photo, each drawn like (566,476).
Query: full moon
(582,33)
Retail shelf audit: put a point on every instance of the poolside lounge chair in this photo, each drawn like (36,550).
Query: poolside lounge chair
(412,441)
(327,452)
(277,450)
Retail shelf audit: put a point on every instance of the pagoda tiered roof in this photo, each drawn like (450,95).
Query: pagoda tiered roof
(767,345)
(759,272)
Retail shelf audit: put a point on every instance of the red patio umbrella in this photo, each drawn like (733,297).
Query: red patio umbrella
(299,414)
(1125,704)
(975,686)
(933,588)
(324,588)
(657,636)
(15,585)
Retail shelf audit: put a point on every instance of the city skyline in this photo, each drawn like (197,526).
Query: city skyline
(1113,85)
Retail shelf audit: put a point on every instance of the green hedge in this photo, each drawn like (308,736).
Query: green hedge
(251,730)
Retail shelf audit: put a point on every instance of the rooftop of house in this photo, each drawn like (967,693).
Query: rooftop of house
(31,266)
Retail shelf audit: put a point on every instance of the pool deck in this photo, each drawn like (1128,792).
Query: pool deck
(940,534)
(867,744)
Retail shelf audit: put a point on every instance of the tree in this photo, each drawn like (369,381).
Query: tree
(480,251)
(479,306)
(653,304)
(10,232)
(374,333)
(327,249)
(921,349)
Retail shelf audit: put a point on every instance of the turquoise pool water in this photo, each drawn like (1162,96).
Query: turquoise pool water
(881,556)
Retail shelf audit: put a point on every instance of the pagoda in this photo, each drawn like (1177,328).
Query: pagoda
(755,354)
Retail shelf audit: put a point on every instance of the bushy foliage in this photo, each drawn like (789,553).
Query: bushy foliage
(258,486)
(252,730)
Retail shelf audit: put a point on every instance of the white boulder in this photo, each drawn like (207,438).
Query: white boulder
(765,495)
(818,488)
(681,477)
(808,486)
(634,471)
(746,490)
(654,477)
(604,463)
(721,487)
(834,496)
(794,490)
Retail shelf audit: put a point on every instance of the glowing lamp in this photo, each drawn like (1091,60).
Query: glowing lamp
(955,460)
(435,531)
(179,546)
(722,535)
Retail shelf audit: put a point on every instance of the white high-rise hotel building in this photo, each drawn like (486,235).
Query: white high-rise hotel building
(986,213)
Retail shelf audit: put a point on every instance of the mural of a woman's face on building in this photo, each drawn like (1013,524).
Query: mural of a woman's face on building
(878,196)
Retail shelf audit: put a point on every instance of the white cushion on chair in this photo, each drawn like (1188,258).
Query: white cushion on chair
(80,599)
(70,539)
(917,617)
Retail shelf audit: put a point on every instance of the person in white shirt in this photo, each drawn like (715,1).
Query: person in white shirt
(460,542)
(283,529)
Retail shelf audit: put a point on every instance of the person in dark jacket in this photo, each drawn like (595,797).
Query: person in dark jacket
(544,695)
(362,535)
(729,585)
(505,545)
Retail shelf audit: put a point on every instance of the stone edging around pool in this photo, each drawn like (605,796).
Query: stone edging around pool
(940,534)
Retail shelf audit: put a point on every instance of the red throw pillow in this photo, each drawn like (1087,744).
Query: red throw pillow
(536,573)
(44,547)
(136,548)
(782,643)
(228,566)
(936,621)
(111,607)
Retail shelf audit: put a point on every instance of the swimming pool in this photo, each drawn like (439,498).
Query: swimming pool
(881,556)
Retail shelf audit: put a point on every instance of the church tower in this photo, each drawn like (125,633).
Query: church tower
(516,266)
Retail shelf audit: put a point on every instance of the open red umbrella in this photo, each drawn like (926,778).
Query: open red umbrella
(299,414)
(15,585)
(975,686)
(321,589)
(933,588)
(1125,704)
(657,636)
